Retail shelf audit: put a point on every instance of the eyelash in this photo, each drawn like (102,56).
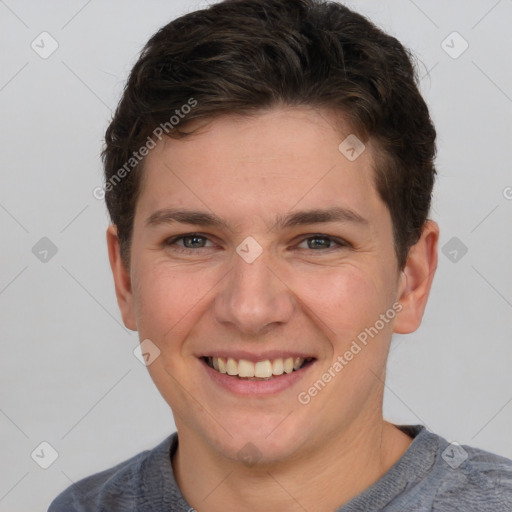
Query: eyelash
(342,244)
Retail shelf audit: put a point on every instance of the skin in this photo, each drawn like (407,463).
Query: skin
(294,296)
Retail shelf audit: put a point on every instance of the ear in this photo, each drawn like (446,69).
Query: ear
(416,279)
(122,279)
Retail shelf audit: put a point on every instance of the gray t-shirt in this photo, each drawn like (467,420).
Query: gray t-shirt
(432,475)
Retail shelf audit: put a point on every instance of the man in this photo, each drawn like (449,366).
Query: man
(269,173)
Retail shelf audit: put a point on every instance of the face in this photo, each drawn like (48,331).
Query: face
(260,249)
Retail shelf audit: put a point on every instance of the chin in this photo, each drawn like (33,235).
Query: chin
(257,442)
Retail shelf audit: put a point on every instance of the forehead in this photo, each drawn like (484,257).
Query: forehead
(261,165)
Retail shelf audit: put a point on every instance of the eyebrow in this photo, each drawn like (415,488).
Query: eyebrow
(299,218)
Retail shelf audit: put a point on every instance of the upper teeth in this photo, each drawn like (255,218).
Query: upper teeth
(261,369)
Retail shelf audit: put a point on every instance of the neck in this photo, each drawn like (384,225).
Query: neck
(352,461)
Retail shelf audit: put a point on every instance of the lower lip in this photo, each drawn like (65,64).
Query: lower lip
(256,387)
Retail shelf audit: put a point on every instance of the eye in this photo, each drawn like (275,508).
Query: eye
(189,241)
(318,242)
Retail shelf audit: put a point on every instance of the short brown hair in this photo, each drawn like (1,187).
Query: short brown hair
(243,56)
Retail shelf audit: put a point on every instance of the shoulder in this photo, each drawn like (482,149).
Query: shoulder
(123,486)
(436,475)
(471,479)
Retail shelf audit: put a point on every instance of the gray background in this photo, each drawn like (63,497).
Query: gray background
(69,376)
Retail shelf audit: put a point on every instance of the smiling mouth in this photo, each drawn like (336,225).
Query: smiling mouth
(261,370)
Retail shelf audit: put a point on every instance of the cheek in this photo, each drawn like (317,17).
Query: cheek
(165,299)
(346,300)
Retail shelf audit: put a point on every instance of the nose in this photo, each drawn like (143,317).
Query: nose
(253,297)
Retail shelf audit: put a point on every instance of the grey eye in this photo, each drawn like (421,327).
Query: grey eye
(317,242)
(193,241)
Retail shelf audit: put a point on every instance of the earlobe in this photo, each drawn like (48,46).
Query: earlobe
(122,279)
(416,279)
